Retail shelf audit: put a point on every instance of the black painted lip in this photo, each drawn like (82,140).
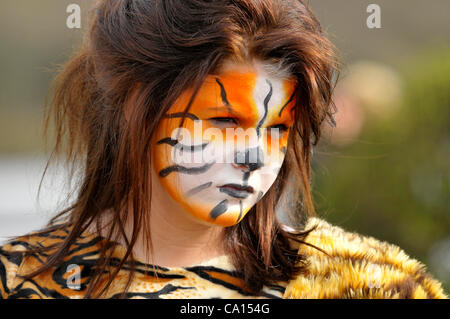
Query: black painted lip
(236,190)
(239,187)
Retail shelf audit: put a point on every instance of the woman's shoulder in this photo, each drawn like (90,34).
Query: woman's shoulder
(44,239)
(350,265)
(26,253)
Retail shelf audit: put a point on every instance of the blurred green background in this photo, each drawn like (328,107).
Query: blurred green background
(383,172)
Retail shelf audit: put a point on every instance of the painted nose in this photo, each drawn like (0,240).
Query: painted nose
(253,158)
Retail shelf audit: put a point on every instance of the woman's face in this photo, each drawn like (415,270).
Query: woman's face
(230,148)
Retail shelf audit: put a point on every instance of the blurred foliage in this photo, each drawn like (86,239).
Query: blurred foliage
(393,181)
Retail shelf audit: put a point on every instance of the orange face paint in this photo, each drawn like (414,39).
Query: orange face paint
(228,151)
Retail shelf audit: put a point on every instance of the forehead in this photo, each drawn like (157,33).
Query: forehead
(244,90)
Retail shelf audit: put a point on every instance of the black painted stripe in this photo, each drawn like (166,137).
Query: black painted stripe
(290,99)
(240,212)
(223,94)
(260,195)
(266,103)
(183,147)
(198,189)
(246,177)
(185,170)
(168,140)
(219,209)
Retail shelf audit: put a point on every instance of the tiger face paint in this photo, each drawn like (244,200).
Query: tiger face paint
(244,107)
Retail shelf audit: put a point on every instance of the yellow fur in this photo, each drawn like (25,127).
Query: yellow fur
(357,266)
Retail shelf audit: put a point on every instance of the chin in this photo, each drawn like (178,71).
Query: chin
(227,219)
(219,210)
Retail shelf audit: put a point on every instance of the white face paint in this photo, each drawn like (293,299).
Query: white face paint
(208,165)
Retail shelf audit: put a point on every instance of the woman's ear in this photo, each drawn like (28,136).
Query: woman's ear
(131,101)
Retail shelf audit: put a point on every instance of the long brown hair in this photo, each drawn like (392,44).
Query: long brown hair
(157,49)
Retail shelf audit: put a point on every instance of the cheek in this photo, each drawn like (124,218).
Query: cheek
(274,148)
(167,158)
(269,173)
(163,159)
(161,151)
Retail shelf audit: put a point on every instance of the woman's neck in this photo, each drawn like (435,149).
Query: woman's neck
(177,238)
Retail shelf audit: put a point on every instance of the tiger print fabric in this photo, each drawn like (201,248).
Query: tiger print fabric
(350,266)
(212,279)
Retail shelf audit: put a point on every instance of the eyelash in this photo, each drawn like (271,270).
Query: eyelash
(227,120)
(281,127)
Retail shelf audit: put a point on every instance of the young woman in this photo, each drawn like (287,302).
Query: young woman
(186,122)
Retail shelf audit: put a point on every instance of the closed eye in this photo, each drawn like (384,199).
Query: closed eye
(223,120)
(278,131)
(281,127)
